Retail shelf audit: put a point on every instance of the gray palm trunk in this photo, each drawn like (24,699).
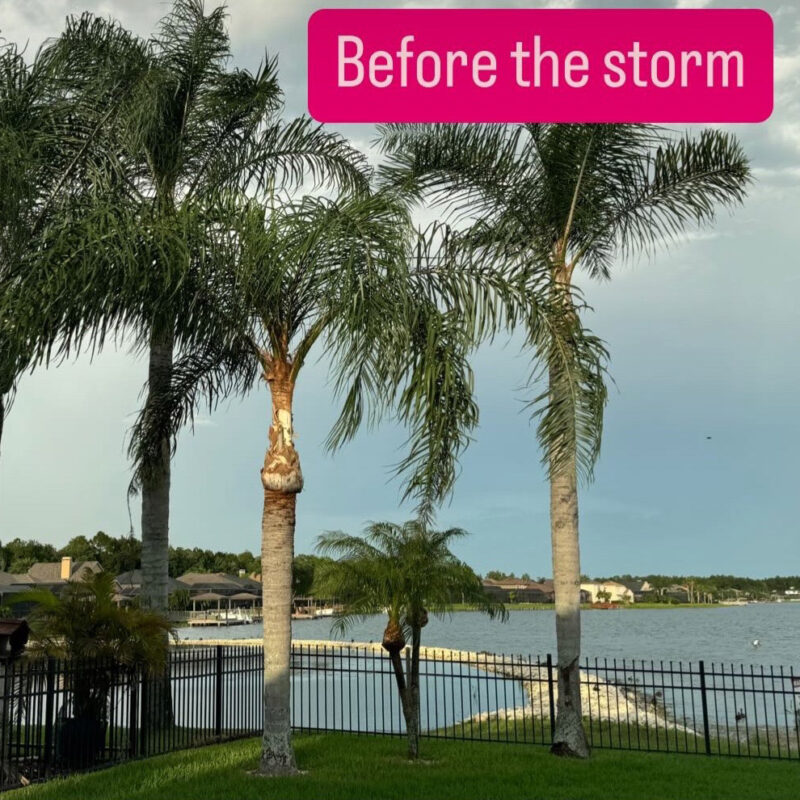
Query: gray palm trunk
(156,483)
(408,689)
(282,480)
(569,737)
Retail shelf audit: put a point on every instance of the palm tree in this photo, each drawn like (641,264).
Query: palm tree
(99,640)
(560,197)
(408,571)
(43,148)
(185,128)
(337,276)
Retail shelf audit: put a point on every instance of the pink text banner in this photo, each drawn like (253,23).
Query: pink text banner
(521,65)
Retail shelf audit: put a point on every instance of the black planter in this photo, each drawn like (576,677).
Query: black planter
(81,741)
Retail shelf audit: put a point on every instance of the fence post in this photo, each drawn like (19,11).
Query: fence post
(6,667)
(145,694)
(133,715)
(704,704)
(552,695)
(49,707)
(218,693)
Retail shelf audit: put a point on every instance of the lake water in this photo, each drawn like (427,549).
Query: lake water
(717,634)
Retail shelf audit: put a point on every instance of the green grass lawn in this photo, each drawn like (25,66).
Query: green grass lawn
(342,767)
(642,606)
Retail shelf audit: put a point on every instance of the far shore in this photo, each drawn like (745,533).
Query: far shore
(590,607)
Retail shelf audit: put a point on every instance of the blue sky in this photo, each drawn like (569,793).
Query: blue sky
(704,342)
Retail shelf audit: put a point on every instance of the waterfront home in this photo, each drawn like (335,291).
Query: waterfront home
(9,586)
(516,590)
(129,585)
(221,583)
(607,591)
(641,589)
(679,593)
(55,575)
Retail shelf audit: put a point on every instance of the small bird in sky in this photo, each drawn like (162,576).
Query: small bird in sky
(708,437)
(756,643)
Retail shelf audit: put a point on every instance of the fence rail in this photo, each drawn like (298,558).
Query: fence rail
(58,717)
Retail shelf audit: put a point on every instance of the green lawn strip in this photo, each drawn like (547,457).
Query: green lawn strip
(343,767)
(605,734)
(643,606)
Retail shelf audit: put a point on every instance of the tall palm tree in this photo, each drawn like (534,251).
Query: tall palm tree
(409,571)
(185,128)
(563,197)
(395,328)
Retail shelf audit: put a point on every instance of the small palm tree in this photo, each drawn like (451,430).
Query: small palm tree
(407,571)
(98,640)
(563,197)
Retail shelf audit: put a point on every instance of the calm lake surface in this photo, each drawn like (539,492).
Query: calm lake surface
(718,634)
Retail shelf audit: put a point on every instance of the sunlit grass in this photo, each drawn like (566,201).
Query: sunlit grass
(346,767)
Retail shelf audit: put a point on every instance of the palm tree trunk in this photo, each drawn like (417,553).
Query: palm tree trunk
(412,720)
(155,523)
(407,701)
(282,480)
(569,738)
(156,483)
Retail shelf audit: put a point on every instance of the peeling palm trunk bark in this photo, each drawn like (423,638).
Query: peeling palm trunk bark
(156,483)
(282,480)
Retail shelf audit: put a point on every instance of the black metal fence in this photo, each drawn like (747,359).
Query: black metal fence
(57,717)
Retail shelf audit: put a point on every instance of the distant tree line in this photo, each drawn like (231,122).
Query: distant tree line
(497,575)
(721,586)
(124,553)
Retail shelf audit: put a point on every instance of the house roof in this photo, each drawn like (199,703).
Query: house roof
(520,585)
(7,579)
(14,588)
(132,580)
(636,586)
(50,572)
(217,580)
(210,596)
(605,583)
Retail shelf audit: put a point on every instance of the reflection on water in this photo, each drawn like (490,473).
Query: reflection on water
(718,634)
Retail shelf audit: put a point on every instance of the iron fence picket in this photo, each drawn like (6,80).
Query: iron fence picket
(215,694)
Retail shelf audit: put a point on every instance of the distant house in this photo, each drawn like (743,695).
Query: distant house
(129,585)
(608,591)
(516,590)
(679,593)
(640,589)
(10,585)
(217,583)
(55,575)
